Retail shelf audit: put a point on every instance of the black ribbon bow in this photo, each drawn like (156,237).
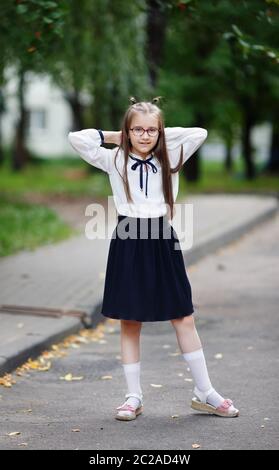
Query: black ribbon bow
(141,163)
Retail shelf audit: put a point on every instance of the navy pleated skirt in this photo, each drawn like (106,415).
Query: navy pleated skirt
(145,278)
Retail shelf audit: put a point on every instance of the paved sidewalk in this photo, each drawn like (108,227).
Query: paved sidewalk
(236,297)
(71,274)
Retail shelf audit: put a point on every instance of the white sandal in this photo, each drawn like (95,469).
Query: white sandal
(128,412)
(226,409)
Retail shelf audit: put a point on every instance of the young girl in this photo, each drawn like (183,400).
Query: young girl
(146,279)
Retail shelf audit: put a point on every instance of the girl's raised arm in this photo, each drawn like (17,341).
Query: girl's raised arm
(87,144)
(191,138)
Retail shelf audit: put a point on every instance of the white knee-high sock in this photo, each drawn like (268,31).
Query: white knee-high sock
(197,364)
(132,374)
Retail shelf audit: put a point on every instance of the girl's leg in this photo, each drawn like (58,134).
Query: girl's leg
(191,348)
(186,333)
(130,341)
(130,354)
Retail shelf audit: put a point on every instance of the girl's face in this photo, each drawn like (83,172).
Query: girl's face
(142,145)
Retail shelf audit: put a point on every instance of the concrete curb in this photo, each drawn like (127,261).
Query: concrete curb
(210,246)
(30,349)
(27,348)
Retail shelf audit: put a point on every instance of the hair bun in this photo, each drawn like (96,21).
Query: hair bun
(157,100)
(133,100)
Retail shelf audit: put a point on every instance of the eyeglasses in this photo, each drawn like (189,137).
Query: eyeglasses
(151,131)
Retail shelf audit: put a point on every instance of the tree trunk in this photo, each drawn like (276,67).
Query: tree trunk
(1,143)
(2,109)
(19,152)
(272,165)
(156,30)
(247,150)
(228,157)
(191,169)
(77,110)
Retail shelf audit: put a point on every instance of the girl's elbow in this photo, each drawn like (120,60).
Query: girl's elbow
(71,136)
(74,140)
(204,132)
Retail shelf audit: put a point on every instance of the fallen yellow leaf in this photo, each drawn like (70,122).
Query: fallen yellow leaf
(39,364)
(45,367)
(7,380)
(69,377)
(20,373)
(82,339)
(218,356)
(33,364)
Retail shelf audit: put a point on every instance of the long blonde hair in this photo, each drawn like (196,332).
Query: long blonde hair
(160,149)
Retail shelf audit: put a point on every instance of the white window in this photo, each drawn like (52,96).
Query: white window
(36,120)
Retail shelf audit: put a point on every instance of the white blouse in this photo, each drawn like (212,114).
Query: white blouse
(145,180)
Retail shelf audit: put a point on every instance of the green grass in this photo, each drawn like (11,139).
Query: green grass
(55,177)
(215,179)
(26,226)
